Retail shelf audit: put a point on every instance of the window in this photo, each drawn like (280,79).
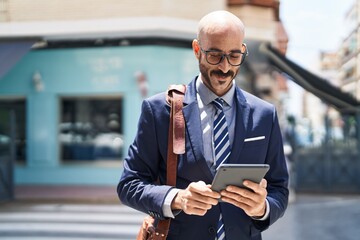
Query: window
(13,122)
(91,129)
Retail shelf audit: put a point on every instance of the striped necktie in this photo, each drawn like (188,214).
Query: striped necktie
(222,150)
(221,134)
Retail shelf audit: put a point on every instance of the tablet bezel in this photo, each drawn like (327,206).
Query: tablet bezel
(235,174)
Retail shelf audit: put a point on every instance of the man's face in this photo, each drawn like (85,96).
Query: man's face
(218,78)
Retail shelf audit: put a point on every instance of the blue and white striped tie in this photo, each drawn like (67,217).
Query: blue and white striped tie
(221,134)
(222,150)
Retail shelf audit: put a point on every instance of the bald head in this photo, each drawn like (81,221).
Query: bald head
(220,50)
(221,23)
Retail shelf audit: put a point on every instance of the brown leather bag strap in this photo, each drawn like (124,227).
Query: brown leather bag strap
(176,141)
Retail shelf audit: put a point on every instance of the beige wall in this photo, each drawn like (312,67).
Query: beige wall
(259,21)
(43,10)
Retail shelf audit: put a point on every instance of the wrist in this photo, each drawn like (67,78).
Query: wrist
(176,204)
(267,212)
(262,212)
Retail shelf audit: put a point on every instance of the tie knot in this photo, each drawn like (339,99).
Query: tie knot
(219,103)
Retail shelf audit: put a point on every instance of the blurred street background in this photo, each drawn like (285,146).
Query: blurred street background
(73,75)
(94,213)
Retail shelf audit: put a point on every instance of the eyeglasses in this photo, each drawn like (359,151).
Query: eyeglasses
(235,58)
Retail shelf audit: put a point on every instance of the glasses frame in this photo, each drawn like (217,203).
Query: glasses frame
(206,52)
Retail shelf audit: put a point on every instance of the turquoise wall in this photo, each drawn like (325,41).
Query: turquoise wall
(81,72)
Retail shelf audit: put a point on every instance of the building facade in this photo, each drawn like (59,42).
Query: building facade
(77,94)
(349,52)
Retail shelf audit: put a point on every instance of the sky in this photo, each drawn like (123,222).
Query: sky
(312,26)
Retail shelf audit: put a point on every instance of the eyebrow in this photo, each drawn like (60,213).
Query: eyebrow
(219,50)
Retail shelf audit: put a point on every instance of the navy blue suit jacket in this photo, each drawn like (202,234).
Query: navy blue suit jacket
(146,162)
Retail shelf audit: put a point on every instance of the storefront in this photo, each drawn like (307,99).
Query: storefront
(77,106)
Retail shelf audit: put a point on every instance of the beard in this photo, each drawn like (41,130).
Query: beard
(207,74)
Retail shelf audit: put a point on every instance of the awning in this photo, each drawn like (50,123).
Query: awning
(332,95)
(11,52)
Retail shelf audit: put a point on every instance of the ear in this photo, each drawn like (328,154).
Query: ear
(196,48)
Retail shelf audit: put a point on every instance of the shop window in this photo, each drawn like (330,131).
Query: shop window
(91,129)
(13,123)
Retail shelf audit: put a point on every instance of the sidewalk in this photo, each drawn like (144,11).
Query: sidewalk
(310,216)
(318,216)
(50,193)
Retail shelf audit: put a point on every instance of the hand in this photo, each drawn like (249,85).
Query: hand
(252,202)
(196,199)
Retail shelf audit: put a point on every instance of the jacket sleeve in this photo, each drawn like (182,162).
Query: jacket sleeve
(137,187)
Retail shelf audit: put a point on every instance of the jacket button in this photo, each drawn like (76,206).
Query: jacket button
(211,230)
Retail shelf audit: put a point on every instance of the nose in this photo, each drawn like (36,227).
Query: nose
(224,65)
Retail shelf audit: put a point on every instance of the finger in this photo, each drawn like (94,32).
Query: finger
(201,183)
(197,205)
(250,209)
(243,192)
(234,202)
(263,183)
(191,205)
(256,187)
(199,196)
(201,188)
(204,199)
(235,197)
(252,185)
(195,211)
(245,196)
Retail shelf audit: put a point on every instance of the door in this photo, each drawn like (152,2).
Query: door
(7,150)
(12,142)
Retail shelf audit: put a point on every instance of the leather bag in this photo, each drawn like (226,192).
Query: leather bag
(158,230)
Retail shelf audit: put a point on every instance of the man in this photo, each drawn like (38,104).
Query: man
(252,135)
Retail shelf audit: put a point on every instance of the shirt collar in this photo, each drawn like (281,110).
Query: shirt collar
(207,96)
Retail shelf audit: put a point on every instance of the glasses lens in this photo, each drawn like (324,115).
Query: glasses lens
(235,58)
(214,57)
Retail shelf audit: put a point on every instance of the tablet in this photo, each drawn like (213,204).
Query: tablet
(235,174)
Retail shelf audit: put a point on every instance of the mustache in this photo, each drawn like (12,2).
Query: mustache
(222,74)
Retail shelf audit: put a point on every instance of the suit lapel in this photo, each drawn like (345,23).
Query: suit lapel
(193,126)
(241,125)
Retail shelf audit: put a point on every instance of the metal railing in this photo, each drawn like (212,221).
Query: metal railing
(334,166)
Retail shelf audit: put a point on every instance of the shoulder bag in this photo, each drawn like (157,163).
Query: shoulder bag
(176,145)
